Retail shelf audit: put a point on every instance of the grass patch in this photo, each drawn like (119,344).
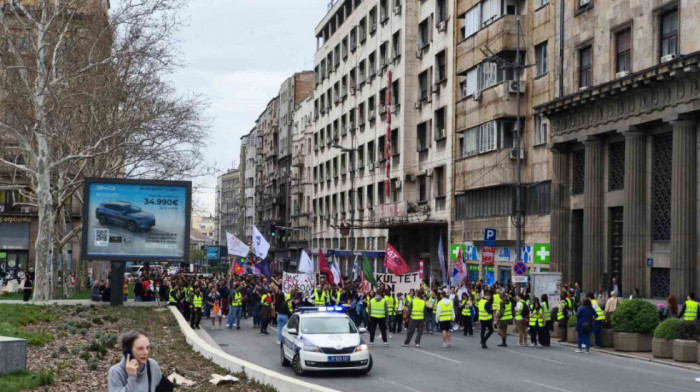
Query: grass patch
(22,380)
(14,317)
(18,296)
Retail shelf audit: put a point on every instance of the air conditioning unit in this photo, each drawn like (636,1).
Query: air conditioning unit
(477,96)
(410,177)
(397,10)
(621,74)
(668,57)
(514,153)
(442,26)
(429,172)
(397,183)
(514,87)
(416,105)
(419,54)
(436,88)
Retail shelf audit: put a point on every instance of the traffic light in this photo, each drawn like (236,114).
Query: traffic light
(273,231)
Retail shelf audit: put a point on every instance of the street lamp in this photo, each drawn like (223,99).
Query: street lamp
(352,188)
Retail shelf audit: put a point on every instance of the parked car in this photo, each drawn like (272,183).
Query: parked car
(125,214)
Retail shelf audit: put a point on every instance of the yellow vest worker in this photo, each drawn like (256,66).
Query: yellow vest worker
(691,311)
(197,301)
(507,312)
(600,314)
(418,310)
(319,299)
(237,299)
(377,308)
(483,314)
(390,304)
(466,309)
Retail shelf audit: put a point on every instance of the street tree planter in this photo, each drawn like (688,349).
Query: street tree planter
(685,350)
(606,336)
(662,348)
(571,335)
(632,342)
(555,330)
(698,354)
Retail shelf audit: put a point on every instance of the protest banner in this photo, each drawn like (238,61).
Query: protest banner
(399,283)
(305,283)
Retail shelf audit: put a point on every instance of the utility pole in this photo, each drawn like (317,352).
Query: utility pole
(518,127)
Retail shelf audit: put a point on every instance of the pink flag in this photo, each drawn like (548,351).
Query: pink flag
(393,261)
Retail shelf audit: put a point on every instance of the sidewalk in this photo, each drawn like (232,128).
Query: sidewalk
(83,302)
(647,356)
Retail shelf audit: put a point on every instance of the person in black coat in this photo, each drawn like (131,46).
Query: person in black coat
(107,293)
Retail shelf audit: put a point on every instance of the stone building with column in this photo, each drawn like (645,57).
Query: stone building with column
(624,146)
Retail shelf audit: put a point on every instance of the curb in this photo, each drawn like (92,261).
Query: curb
(263,375)
(637,357)
(83,302)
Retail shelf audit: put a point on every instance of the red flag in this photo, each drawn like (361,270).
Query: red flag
(237,269)
(393,261)
(324,268)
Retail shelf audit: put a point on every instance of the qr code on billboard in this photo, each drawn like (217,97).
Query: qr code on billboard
(101,237)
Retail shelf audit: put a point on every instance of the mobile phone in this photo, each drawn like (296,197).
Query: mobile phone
(129,353)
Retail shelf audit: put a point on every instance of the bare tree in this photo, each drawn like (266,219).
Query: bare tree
(84,95)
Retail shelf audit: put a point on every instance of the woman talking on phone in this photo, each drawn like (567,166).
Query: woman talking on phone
(136,372)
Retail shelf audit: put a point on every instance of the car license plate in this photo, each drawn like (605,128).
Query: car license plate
(345,358)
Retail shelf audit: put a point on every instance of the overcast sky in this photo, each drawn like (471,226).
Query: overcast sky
(237,53)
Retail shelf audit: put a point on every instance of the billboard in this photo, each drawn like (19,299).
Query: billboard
(136,220)
(213,253)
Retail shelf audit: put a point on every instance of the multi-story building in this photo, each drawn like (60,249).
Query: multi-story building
(382,146)
(301,177)
(269,202)
(624,145)
(249,151)
(496,38)
(228,207)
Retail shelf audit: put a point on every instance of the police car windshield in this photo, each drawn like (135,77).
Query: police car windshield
(327,325)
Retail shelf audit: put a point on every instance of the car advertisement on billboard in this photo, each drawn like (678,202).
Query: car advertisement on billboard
(137,220)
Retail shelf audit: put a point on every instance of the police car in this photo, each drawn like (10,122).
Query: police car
(321,339)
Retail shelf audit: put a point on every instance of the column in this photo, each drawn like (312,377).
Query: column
(683,191)
(593,216)
(559,227)
(634,225)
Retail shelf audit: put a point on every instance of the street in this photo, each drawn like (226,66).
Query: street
(467,365)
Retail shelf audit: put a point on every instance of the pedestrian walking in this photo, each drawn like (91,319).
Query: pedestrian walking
(522,313)
(215,305)
(505,318)
(466,307)
(486,318)
(378,310)
(196,308)
(265,312)
(283,308)
(135,372)
(584,325)
(398,317)
(536,321)
(416,314)
(598,321)
(563,313)
(444,316)
(391,306)
(545,336)
(236,307)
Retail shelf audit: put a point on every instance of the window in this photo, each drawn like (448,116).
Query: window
(440,121)
(491,74)
(372,64)
(490,11)
(422,136)
(669,34)
(540,3)
(486,137)
(380,192)
(585,4)
(353,39)
(623,47)
(360,157)
(540,130)
(361,30)
(371,108)
(395,93)
(422,189)
(344,45)
(383,53)
(381,148)
(468,82)
(585,67)
(441,10)
(383,12)
(423,85)
(440,66)
(360,205)
(395,44)
(537,199)
(471,23)
(423,34)
(541,53)
(370,153)
(394,142)
(361,114)
(361,73)
(370,196)
(373,20)
(440,181)
(496,201)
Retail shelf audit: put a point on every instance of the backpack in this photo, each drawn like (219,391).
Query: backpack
(526,311)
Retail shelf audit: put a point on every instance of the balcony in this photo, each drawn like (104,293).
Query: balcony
(495,102)
(500,35)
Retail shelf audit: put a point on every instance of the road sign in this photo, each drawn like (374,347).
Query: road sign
(490,237)
(650,262)
(520,268)
(519,279)
(541,253)
(488,255)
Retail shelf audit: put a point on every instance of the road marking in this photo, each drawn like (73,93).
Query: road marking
(438,356)
(394,383)
(454,337)
(547,386)
(673,386)
(536,356)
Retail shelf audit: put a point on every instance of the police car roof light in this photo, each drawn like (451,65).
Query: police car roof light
(338,309)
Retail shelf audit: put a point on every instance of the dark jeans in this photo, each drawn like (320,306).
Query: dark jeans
(597,326)
(534,329)
(256,319)
(488,324)
(373,322)
(263,325)
(398,320)
(584,339)
(414,325)
(562,330)
(467,324)
(195,317)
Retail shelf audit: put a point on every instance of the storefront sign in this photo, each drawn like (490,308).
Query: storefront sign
(391,210)
(15,219)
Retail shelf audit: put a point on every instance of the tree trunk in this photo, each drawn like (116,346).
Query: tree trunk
(42,245)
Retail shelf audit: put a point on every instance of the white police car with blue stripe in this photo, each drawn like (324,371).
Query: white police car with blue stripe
(323,339)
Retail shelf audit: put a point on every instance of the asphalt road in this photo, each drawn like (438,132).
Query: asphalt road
(467,366)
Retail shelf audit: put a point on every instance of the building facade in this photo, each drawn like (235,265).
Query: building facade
(227,208)
(624,147)
(381,158)
(249,150)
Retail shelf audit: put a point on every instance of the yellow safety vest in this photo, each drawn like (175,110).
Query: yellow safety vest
(691,311)
(237,299)
(197,301)
(546,312)
(409,299)
(337,298)
(445,312)
(508,312)
(319,300)
(262,300)
(560,314)
(519,316)
(483,314)
(496,303)
(418,309)
(390,304)
(376,308)
(535,316)
(600,314)
(288,300)
(466,309)
(172,298)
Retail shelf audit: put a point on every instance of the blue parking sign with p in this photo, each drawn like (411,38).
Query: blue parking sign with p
(489,234)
